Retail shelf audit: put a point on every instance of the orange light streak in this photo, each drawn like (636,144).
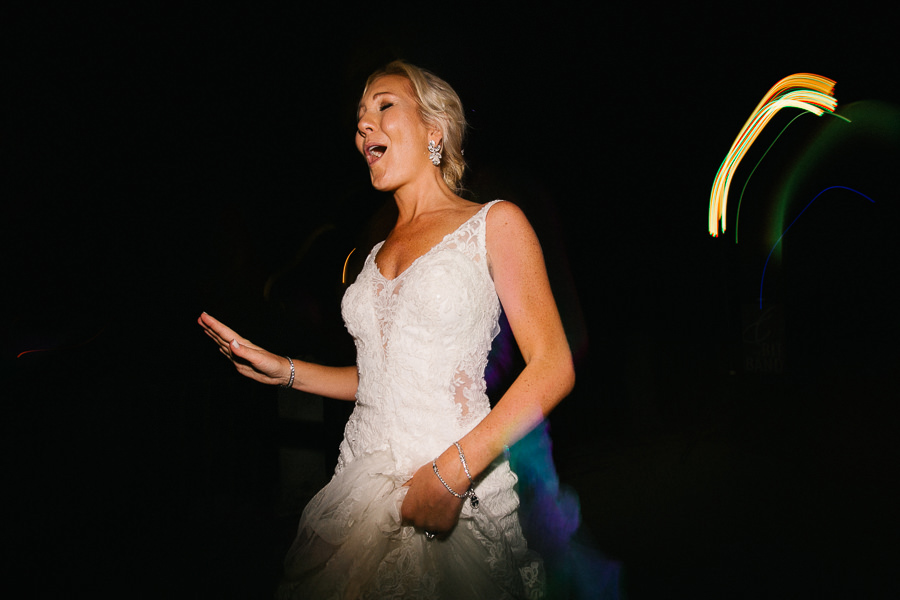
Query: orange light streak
(809,92)
(346,260)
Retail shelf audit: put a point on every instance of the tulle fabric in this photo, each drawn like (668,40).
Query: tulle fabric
(422,343)
(351,543)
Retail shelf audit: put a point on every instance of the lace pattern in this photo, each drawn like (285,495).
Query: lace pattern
(422,342)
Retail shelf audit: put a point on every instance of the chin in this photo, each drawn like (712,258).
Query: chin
(382,186)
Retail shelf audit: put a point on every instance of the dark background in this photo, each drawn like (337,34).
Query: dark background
(159,162)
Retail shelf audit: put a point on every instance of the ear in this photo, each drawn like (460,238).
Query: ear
(434,133)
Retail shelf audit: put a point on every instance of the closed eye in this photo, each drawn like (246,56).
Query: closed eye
(385,106)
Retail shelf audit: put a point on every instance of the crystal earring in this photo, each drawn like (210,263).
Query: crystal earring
(434,153)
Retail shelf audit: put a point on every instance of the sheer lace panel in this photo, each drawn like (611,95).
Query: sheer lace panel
(422,342)
(462,389)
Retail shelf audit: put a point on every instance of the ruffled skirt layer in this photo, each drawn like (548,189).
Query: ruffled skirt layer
(351,543)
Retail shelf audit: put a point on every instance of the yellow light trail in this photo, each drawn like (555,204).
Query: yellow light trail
(346,260)
(806,91)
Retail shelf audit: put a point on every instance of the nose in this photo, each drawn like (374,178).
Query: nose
(365,125)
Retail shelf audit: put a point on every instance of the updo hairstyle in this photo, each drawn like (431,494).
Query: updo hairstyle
(439,107)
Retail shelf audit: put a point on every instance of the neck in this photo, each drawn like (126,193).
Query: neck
(422,196)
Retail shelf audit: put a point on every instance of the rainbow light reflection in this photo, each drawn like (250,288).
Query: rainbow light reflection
(806,91)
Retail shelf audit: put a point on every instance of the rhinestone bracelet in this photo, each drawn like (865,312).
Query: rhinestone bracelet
(469,493)
(291,380)
(462,458)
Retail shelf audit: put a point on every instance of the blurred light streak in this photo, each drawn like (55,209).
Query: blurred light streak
(809,92)
(550,514)
(875,131)
(763,278)
(346,260)
(737,217)
(64,346)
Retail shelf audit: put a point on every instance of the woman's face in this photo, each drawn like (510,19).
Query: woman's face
(391,135)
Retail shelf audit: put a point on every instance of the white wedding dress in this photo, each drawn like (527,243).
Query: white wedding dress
(422,341)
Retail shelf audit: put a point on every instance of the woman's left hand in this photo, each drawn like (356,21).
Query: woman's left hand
(428,504)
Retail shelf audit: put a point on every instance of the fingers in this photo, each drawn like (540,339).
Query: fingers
(222,344)
(251,361)
(429,507)
(230,344)
(221,333)
(243,351)
(216,329)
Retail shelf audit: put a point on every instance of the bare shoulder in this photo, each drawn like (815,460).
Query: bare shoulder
(513,250)
(504,211)
(508,228)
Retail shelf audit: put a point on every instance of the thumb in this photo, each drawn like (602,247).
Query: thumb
(239,350)
(245,353)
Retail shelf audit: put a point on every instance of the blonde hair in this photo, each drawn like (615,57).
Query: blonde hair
(440,107)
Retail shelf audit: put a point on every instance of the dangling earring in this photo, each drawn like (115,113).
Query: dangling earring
(434,153)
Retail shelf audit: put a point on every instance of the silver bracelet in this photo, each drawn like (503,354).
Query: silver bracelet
(291,380)
(449,489)
(462,458)
(470,493)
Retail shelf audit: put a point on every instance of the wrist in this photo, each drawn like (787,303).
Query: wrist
(454,474)
(452,470)
(289,375)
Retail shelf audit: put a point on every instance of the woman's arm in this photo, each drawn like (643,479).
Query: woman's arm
(258,364)
(520,278)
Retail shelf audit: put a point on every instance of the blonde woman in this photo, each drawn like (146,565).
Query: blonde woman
(422,503)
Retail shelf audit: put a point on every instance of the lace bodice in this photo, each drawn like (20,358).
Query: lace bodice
(422,343)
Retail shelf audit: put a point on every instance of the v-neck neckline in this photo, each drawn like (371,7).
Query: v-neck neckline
(429,251)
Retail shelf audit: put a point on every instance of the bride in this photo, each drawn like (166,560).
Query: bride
(422,502)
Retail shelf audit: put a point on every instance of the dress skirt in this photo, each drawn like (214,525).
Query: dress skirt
(351,543)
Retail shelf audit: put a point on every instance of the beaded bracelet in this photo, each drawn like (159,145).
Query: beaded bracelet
(469,493)
(462,458)
(291,380)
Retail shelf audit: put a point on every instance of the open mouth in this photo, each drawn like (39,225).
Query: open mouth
(375,152)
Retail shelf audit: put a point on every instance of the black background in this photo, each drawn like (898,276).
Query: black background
(159,162)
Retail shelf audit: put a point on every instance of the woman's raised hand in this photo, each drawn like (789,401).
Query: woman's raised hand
(250,361)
